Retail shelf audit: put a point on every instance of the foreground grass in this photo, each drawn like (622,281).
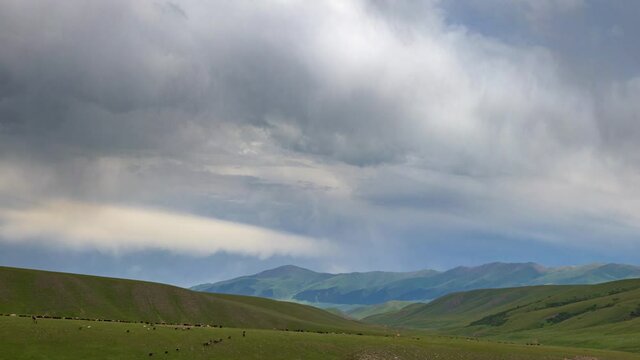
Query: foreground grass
(622,336)
(76,339)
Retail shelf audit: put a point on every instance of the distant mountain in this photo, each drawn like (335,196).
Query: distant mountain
(280,283)
(376,287)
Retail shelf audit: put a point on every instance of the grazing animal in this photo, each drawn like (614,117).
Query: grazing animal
(177,349)
(33,317)
(229,337)
(151,354)
(244,333)
(166,351)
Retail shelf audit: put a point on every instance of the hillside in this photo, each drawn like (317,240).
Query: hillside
(25,291)
(366,288)
(279,283)
(603,315)
(362,312)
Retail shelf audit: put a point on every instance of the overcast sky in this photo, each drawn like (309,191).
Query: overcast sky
(191,141)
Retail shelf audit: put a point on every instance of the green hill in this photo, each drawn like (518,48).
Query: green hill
(604,315)
(362,312)
(25,291)
(376,287)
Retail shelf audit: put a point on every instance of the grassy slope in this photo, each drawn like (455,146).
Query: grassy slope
(357,288)
(583,315)
(25,291)
(362,312)
(68,339)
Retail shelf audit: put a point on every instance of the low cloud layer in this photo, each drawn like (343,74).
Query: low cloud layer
(117,229)
(379,125)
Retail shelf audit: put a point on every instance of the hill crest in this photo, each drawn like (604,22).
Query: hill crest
(26,291)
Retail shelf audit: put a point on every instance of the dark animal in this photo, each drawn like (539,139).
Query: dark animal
(150,354)
(229,337)
(33,317)
(244,333)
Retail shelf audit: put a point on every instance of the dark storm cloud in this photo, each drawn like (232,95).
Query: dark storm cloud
(113,76)
(335,120)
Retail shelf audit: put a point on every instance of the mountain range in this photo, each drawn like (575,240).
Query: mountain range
(364,288)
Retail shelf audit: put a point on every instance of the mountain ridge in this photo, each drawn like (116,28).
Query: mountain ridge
(295,283)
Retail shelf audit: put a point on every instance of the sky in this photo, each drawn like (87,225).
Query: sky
(193,141)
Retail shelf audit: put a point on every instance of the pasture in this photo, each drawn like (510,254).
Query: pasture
(21,338)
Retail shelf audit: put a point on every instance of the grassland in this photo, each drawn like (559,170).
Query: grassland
(76,316)
(20,338)
(24,291)
(605,316)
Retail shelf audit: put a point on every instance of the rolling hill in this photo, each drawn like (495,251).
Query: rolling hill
(591,316)
(24,291)
(366,288)
(602,315)
(362,312)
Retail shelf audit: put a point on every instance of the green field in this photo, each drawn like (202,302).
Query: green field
(52,339)
(603,316)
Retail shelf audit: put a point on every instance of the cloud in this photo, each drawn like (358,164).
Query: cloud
(119,229)
(356,122)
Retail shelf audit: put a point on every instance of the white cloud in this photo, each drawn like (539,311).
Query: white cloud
(119,229)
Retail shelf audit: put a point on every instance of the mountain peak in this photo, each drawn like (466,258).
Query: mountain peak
(285,270)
